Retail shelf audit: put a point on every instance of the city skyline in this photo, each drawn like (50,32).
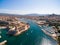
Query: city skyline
(30,6)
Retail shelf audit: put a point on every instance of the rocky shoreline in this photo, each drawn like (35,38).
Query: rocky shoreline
(50,32)
(2,27)
(27,27)
(14,26)
(54,36)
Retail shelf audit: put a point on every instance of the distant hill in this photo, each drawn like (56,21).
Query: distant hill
(6,14)
(53,15)
(36,14)
(49,15)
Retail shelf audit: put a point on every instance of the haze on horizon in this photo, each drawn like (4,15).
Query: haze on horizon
(30,6)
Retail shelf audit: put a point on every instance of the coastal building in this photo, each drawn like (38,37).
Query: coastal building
(41,22)
(13,24)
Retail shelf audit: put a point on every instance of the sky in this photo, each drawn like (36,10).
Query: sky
(30,6)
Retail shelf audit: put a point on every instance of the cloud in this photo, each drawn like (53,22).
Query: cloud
(41,11)
(13,11)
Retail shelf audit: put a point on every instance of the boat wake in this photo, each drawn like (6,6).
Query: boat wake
(46,42)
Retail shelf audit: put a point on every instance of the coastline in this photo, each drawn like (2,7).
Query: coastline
(14,26)
(28,33)
(22,31)
(18,30)
(2,27)
(3,42)
(54,37)
(49,32)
